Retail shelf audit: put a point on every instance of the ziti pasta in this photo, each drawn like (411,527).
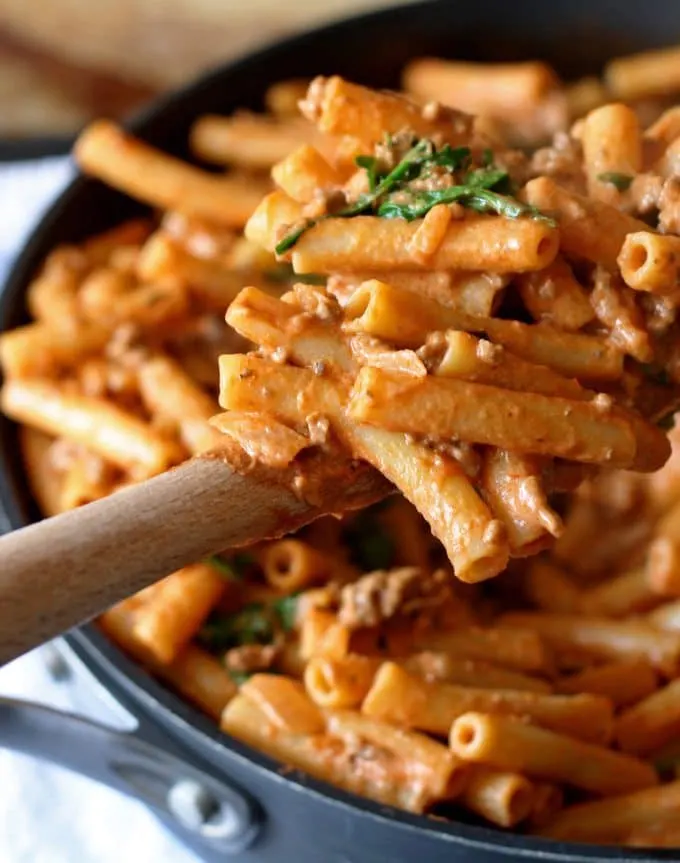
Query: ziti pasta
(496,331)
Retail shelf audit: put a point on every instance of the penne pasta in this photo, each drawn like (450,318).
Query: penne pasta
(107,152)
(600,638)
(502,797)
(611,820)
(496,245)
(474,412)
(625,683)
(651,723)
(507,743)
(402,699)
(106,429)
(589,229)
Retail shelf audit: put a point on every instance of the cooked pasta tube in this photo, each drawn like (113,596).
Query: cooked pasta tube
(322,635)
(53,295)
(44,478)
(612,820)
(171,395)
(602,638)
(667,616)
(624,683)
(458,517)
(523,650)
(620,596)
(339,682)
(262,436)
(492,243)
(508,743)
(338,107)
(252,140)
(303,172)
(398,316)
(651,262)
(176,609)
(107,152)
(469,358)
(666,128)
(427,761)
(291,565)
(200,678)
(663,833)
(274,211)
(450,409)
(404,699)
(282,97)
(584,95)
(589,229)
(512,487)
(473,293)
(194,673)
(101,249)
(433,665)
(555,296)
(550,588)
(482,88)
(548,800)
(663,555)
(285,703)
(652,723)
(208,280)
(612,144)
(86,479)
(36,350)
(652,73)
(502,797)
(117,297)
(103,427)
(327,757)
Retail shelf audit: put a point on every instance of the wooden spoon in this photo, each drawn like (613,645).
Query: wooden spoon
(59,572)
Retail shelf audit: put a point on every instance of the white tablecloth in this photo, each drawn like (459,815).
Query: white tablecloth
(48,815)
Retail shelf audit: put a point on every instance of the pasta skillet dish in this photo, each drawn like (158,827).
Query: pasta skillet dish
(484,309)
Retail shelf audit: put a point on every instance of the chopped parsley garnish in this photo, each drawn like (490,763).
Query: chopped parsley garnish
(256,623)
(233,568)
(253,624)
(371,546)
(619,181)
(394,196)
(286,609)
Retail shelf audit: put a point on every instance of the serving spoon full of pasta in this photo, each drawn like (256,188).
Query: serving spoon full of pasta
(400,370)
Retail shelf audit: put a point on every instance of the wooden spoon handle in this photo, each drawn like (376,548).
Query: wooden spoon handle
(60,572)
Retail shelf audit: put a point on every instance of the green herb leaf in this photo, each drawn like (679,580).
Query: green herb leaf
(286,608)
(234,568)
(253,624)
(291,239)
(371,547)
(224,567)
(620,181)
(453,158)
(485,190)
(239,677)
(370,165)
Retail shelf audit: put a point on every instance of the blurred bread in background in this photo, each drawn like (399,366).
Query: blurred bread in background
(64,61)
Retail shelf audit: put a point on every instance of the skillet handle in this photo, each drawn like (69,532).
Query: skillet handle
(220,816)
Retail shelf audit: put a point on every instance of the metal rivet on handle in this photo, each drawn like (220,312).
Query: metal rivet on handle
(198,809)
(55,664)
